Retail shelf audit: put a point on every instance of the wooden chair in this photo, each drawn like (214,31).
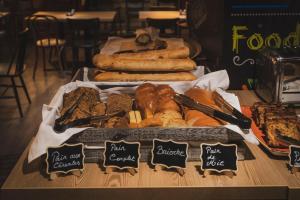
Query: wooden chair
(132,8)
(46,36)
(83,34)
(14,69)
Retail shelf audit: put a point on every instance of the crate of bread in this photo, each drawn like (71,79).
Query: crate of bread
(142,114)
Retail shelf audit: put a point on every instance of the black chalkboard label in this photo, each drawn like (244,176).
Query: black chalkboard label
(169,154)
(294,155)
(121,154)
(218,157)
(65,158)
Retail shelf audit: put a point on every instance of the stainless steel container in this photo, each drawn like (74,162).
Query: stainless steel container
(278,75)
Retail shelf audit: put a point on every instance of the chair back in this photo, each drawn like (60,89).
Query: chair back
(81,29)
(132,7)
(163,8)
(163,24)
(175,3)
(45,28)
(18,57)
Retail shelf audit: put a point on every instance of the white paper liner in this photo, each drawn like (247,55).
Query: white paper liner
(47,137)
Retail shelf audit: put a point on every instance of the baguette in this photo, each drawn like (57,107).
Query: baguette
(182,52)
(124,77)
(110,63)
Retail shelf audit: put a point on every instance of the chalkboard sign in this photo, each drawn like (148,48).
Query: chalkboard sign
(65,158)
(294,155)
(169,153)
(121,154)
(218,157)
(252,26)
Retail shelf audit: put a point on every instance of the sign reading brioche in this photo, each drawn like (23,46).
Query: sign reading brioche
(169,154)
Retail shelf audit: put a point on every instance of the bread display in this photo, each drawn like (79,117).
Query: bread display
(154,105)
(149,65)
(278,122)
(129,77)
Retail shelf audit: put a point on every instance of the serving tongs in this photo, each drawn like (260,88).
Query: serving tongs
(236,118)
(60,127)
(69,111)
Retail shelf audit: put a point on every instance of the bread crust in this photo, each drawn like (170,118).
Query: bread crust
(124,77)
(111,63)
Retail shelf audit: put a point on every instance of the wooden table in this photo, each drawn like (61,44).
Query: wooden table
(3,14)
(104,16)
(143,15)
(262,178)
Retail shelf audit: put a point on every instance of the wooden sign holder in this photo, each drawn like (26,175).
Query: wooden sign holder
(55,175)
(132,171)
(180,171)
(294,169)
(229,173)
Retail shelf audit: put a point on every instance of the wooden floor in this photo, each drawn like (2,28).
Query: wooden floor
(16,132)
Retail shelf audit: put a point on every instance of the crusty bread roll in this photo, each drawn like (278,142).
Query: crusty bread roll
(146,98)
(165,96)
(197,118)
(202,96)
(110,63)
(122,76)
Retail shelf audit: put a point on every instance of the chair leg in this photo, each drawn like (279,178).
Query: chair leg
(61,57)
(16,96)
(75,54)
(25,89)
(88,57)
(50,55)
(44,58)
(36,62)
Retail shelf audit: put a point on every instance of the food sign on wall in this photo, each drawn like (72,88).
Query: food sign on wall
(251,27)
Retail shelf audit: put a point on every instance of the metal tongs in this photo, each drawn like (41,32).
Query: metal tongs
(236,118)
(60,127)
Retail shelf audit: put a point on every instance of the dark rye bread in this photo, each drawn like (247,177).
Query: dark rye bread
(118,102)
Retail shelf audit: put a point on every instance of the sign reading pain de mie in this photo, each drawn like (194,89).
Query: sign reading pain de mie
(121,154)
(65,158)
(218,157)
